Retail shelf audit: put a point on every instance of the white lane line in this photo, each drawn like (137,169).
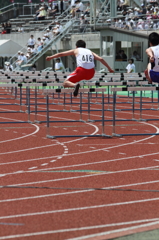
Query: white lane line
(32,168)
(80,208)
(84,176)
(96,150)
(53,161)
(116,231)
(45,146)
(26,135)
(150,223)
(75,192)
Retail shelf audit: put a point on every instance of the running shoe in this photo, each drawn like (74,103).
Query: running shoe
(75,93)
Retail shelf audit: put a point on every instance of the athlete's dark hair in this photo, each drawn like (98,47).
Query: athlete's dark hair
(80,43)
(154,38)
(131,59)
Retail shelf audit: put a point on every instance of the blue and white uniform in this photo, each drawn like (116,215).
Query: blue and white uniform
(154,72)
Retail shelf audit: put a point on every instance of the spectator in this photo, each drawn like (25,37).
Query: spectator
(8,27)
(72,3)
(29,51)
(121,56)
(49,33)
(61,6)
(8,67)
(143,11)
(79,6)
(38,42)
(40,47)
(119,7)
(56,30)
(135,56)
(58,65)
(42,14)
(4,28)
(47,39)
(44,41)
(20,29)
(87,11)
(131,66)
(54,9)
(23,59)
(140,24)
(33,51)
(31,41)
(18,59)
(82,23)
(125,4)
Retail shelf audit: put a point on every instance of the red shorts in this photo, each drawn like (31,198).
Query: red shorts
(81,74)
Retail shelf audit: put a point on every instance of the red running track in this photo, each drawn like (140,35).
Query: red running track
(56,185)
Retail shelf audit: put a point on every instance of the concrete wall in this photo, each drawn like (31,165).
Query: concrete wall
(92,41)
(126,36)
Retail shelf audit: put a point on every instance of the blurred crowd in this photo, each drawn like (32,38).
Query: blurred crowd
(35,46)
(144,17)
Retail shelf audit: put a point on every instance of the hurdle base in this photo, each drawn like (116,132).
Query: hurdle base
(82,121)
(73,110)
(116,135)
(89,120)
(107,136)
(77,136)
(30,122)
(36,121)
(142,120)
(50,137)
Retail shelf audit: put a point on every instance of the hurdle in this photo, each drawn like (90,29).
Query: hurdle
(114,90)
(47,92)
(36,84)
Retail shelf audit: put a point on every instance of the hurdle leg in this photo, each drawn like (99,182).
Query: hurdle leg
(26,97)
(71,103)
(36,107)
(28,108)
(15,92)
(64,103)
(141,107)
(133,106)
(114,117)
(47,118)
(152,108)
(89,120)
(108,97)
(96,98)
(20,98)
(81,120)
(103,117)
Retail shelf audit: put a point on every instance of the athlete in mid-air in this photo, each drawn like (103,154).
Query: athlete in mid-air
(85,65)
(152,71)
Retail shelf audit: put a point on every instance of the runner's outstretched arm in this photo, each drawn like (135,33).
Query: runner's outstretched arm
(150,54)
(62,54)
(100,59)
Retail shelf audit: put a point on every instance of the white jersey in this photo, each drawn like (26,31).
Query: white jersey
(85,58)
(131,68)
(156,57)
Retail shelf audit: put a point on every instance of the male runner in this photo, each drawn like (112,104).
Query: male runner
(85,65)
(152,71)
